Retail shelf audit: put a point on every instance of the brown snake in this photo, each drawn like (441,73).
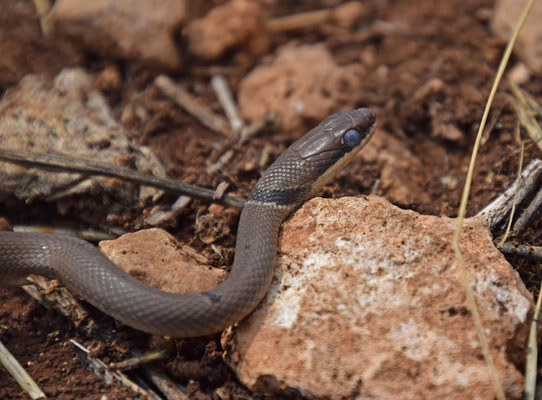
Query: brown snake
(294,177)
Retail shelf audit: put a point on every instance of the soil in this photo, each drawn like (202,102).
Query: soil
(449,40)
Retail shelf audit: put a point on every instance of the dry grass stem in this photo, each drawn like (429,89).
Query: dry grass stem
(527,109)
(499,392)
(531,363)
(512,211)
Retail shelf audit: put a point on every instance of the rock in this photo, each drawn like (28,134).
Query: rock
(302,83)
(154,257)
(68,116)
(233,24)
(368,302)
(25,49)
(528,46)
(135,30)
(519,74)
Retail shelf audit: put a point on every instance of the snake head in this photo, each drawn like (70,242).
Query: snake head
(334,143)
(315,158)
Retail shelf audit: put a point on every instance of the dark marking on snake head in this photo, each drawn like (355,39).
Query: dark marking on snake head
(247,246)
(215,298)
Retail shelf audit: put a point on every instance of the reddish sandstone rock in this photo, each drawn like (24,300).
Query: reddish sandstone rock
(69,116)
(302,83)
(154,257)
(234,24)
(137,30)
(368,302)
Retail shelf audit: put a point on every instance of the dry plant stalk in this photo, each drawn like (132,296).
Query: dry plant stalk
(512,211)
(531,362)
(526,112)
(463,206)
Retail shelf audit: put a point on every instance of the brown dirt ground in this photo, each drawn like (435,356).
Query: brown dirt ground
(450,40)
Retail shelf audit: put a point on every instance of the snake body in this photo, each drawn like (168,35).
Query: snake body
(296,175)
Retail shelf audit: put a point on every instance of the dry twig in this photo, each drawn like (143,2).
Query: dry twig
(223,92)
(169,388)
(192,105)
(521,250)
(100,369)
(528,215)
(136,362)
(530,179)
(64,163)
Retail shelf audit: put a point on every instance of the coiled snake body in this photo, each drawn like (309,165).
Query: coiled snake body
(294,177)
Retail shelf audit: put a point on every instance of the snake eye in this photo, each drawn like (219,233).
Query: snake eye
(352,138)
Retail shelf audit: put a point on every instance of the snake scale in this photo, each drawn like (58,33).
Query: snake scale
(296,175)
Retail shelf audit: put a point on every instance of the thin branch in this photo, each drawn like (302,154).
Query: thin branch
(62,163)
(138,361)
(167,387)
(301,21)
(528,215)
(100,369)
(192,105)
(522,250)
(496,211)
(223,92)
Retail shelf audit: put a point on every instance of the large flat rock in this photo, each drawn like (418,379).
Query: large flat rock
(367,302)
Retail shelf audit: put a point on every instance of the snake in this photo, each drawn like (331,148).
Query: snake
(295,176)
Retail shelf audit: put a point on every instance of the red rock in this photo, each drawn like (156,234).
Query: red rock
(69,116)
(368,302)
(302,83)
(233,24)
(136,30)
(154,257)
